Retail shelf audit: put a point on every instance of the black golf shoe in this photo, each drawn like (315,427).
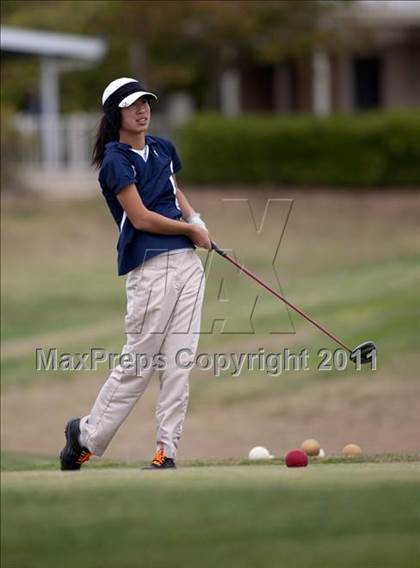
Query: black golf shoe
(160,461)
(73,454)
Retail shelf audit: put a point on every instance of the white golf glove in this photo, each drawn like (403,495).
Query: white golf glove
(196,219)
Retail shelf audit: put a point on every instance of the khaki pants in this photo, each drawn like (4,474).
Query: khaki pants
(164,299)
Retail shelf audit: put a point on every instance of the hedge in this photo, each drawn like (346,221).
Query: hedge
(372,149)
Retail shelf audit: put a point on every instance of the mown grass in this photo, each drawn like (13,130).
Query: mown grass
(350,261)
(381,308)
(59,276)
(347,515)
(11,461)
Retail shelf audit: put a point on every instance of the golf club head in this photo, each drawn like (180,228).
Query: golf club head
(366,352)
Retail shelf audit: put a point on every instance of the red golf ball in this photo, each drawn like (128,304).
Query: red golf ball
(296,458)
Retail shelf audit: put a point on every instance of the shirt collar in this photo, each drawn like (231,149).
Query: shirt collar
(150,140)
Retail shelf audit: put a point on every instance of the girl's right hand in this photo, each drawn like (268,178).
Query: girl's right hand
(199,237)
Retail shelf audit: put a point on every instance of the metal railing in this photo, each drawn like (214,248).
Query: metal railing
(64,141)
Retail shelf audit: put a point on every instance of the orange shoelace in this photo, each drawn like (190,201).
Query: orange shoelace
(84,457)
(159,457)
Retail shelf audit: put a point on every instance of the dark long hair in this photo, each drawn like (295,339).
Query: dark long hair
(107,132)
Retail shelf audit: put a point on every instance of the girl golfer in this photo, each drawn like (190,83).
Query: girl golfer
(158,233)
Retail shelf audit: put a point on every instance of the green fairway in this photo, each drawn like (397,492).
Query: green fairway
(351,262)
(346,515)
(349,259)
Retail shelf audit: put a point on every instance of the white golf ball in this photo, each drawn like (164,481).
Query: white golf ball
(259,453)
(321,453)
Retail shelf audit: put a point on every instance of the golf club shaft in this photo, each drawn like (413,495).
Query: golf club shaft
(279,296)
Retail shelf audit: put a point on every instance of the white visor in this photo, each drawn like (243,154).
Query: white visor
(130,99)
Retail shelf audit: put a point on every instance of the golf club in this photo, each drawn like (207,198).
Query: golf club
(362,352)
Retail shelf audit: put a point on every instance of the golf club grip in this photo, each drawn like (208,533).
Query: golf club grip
(217,249)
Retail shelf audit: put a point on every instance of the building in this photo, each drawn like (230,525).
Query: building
(377,66)
(57,53)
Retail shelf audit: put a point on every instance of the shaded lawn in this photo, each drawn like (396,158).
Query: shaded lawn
(346,515)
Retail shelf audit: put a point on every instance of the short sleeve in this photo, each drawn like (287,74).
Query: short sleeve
(176,162)
(116,173)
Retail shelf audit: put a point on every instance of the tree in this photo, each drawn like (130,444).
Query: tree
(177,44)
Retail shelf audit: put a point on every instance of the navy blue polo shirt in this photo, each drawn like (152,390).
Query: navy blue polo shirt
(122,167)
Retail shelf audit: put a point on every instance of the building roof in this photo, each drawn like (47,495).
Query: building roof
(37,42)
